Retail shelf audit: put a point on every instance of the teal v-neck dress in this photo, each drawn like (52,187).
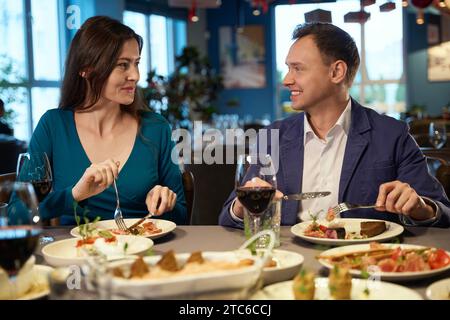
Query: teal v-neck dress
(149,164)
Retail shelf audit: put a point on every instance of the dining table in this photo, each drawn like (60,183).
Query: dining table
(189,238)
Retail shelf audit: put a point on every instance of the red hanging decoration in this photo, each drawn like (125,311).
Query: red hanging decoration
(422,4)
(262,3)
(192,14)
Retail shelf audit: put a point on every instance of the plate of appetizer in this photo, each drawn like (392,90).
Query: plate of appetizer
(185,275)
(391,262)
(31,282)
(361,290)
(439,290)
(345,231)
(281,266)
(75,251)
(149,228)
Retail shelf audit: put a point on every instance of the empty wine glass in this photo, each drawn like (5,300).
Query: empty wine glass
(19,228)
(437,134)
(256,185)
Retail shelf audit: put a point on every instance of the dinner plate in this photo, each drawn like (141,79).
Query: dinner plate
(378,290)
(208,284)
(39,288)
(288,264)
(165,226)
(439,290)
(64,252)
(351,225)
(389,276)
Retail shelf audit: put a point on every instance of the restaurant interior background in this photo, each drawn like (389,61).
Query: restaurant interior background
(404,46)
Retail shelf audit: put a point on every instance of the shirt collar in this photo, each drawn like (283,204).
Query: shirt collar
(343,122)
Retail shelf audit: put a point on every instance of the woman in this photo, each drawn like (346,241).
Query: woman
(103,131)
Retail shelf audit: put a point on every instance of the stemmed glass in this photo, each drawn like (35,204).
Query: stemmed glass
(437,134)
(255,183)
(35,168)
(19,227)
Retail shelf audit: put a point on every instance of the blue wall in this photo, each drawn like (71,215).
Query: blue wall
(434,95)
(256,102)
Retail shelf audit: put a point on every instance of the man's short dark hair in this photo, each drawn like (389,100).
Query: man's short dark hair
(334,44)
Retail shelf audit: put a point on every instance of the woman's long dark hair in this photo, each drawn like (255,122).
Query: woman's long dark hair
(95,50)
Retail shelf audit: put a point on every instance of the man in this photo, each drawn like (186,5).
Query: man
(4,127)
(339,146)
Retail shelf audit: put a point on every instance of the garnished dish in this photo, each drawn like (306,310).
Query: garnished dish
(168,266)
(211,275)
(346,231)
(339,285)
(74,251)
(388,261)
(150,228)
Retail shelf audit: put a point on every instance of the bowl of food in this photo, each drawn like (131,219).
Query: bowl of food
(74,251)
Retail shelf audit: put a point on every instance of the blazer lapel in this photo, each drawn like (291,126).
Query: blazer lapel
(291,163)
(356,145)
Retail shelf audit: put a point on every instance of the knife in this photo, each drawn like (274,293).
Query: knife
(306,195)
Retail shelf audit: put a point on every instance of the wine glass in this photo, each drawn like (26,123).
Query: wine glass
(19,228)
(34,167)
(437,134)
(256,184)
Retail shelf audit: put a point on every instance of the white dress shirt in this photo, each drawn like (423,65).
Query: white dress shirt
(322,165)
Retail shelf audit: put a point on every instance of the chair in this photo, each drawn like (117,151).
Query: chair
(439,165)
(11,177)
(189,192)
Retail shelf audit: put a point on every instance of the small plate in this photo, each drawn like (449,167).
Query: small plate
(439,290)
(377,291)
(64,252)
(39,288)
(351,225)
(389,276)
(288,265)
(165,225)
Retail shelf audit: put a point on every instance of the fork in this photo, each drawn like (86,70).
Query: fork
(345,206)
(118,212)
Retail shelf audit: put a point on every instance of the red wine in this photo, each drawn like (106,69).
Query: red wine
(41,188)
(17,244)
(256,200)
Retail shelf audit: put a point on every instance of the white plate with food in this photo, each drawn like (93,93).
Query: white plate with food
(283,265)
(361,290)
(439,290)
(345,231)
(187,275)
(39,287)
(391,262)
(150,228)
(74,251)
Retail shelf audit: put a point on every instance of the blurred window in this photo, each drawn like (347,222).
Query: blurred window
(380,81)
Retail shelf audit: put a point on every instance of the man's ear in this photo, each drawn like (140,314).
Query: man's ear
(338,71)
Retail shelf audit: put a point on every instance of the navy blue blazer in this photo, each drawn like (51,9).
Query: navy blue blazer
(379,149)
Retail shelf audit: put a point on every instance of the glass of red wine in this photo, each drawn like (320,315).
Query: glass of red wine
(256,185)
(19,226)
(34,167)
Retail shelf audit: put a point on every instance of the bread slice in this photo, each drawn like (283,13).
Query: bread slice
(372,228)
